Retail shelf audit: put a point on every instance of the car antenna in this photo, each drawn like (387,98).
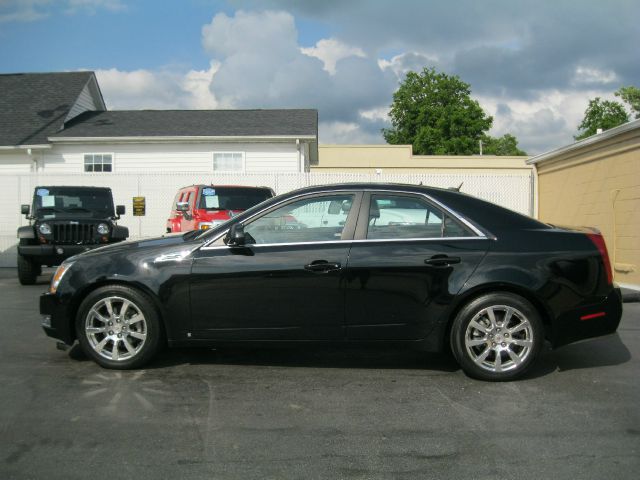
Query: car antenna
(457,189)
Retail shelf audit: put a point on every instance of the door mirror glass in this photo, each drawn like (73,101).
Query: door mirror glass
(24,209)
(120,210)
(182,206)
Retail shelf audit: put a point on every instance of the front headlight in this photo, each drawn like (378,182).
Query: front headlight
(60,271)
(45,229)
(103,228)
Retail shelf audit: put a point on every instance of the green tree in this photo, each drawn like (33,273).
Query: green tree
(505,145)
(604,114)
(631,96)
(435,113)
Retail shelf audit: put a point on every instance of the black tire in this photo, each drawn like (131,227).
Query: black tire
(28,270)
(138,328)
(487,349)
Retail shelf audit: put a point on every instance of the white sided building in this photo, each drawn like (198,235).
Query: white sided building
(57,123)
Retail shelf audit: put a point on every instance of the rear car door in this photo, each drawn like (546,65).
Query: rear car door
(409,258)
(287,282)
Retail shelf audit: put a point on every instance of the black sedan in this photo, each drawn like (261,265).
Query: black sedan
(377,263)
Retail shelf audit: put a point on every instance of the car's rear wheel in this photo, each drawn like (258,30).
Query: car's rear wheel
(497,336)
(28,270)
(118,327)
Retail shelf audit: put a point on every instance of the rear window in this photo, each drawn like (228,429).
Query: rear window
(232,198)
(488,215)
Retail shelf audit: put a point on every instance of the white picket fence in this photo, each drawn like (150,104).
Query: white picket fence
(514,191)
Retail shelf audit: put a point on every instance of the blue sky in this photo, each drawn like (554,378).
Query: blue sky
(533,65)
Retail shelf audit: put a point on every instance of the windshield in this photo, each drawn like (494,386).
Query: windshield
(232,198)
(52,202)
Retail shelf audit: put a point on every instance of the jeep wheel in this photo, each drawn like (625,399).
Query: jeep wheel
(28,270)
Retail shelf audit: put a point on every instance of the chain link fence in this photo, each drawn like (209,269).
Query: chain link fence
(514,191)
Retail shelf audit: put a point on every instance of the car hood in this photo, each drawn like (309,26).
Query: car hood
(151,244)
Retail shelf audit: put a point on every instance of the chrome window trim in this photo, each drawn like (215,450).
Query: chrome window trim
(327,242)
(479,234)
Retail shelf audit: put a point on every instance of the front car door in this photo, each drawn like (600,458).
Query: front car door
(410,256)
(287,282)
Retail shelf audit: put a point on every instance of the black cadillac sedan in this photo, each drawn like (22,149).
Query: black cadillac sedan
(377,263)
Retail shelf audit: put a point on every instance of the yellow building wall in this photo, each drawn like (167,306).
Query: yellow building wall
(399,159)
(598,186)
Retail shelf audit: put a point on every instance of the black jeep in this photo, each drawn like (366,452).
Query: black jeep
(65,221)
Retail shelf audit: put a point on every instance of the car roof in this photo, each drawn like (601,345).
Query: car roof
(199,185)
(73,187)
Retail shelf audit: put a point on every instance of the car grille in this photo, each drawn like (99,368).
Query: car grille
(74,233)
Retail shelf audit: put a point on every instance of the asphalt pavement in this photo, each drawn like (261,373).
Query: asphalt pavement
(311,413)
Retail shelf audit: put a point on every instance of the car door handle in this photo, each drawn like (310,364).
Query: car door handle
(441,260)
(321,266)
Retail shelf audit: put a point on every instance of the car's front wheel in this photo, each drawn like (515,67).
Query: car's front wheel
(497,336)
(119,327)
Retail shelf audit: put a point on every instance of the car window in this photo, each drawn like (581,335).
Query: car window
(317,219)
(400,216)
(232,198)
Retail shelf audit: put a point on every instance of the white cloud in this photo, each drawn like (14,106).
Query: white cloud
(22,10)
(593,76)
(376,114)
(33,10)
(548,121)
(197,83)
(330,51)
(408,61)
(263,66)
(163,89)
(346,133)
(91,6)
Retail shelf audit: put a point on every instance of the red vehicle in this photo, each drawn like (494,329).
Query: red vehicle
(201,207)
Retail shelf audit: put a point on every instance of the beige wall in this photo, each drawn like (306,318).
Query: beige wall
(598,186)
(399,159)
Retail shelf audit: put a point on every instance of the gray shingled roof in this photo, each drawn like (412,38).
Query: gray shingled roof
(33,106)
(192,123)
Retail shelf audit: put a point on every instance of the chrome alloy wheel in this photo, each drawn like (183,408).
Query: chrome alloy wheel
(116,328)
(499,338)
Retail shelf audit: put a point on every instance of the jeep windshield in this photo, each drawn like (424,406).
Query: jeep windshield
(232,198)
(78,202)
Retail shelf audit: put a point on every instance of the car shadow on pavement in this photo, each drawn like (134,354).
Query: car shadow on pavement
(308,357)
(598,352)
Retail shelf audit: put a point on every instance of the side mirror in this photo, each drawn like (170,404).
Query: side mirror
(236,236)
(25,209)
(182,206)
(120,210)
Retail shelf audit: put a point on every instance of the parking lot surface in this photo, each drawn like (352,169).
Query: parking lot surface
(311,413)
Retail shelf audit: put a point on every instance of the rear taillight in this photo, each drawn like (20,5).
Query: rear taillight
(598,241)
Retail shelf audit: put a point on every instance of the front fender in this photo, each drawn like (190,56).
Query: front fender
(120,233)
(26,232)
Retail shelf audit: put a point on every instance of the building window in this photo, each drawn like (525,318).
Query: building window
(228,162)
(98,162)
